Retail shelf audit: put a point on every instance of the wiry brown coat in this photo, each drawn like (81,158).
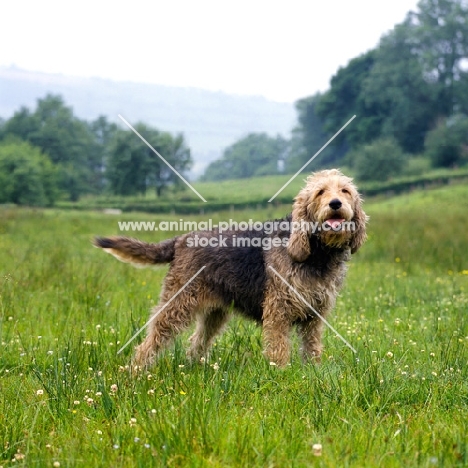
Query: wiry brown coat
(245,279)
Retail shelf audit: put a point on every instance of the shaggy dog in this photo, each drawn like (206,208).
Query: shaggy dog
(285,285)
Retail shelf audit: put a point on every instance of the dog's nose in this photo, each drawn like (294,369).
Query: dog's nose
(335,204)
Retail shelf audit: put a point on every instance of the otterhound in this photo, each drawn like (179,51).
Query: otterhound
(245,271)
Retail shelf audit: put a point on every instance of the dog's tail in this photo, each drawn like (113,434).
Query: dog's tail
(137,252)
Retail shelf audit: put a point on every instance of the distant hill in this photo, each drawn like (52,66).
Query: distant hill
(210,121)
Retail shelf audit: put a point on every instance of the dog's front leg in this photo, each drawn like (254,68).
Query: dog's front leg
(276,339)
(310,333)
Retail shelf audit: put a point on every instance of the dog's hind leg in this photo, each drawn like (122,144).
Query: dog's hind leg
(210,322)
(167,320)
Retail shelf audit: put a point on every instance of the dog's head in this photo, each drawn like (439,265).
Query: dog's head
(331,203)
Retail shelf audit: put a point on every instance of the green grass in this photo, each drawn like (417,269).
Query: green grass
(67,397)
(253,193)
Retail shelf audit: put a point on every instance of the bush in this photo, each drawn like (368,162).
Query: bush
(416,166)
(380,160)
(27,177)
(447,144)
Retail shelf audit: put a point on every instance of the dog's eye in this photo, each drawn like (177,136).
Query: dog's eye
(321,192)
(345,191)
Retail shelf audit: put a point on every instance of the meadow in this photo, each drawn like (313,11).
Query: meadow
(68,399)
(252,193)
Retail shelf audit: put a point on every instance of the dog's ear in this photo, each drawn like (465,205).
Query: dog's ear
(298,245)
(359,234)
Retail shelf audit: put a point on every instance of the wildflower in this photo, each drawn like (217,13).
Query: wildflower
(150,391)
(202,360)
(153,411)
(90,401)
(389,354)
(99,432)
(76,402)
(19,456)
(114,388)
(56,464)
(317,450)
(132,422)
(182,392)
(272,363)
(40,392)
(215,366)
(98,393)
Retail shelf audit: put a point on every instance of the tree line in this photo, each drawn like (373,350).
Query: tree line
(410,98)
(49,153)
(409,95)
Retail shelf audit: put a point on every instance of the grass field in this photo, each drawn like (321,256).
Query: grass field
(252,193)
(67,398)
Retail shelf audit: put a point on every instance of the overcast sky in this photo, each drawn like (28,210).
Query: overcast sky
(281,50)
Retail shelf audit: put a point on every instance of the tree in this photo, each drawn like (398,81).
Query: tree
(379,160)
(103,132)
(133,167)
(440,30)
(346,98)
(417,76)
(66,139)
(396,86)
(256,154)
(174,151)
(309,136)
(447,144)
(27,177)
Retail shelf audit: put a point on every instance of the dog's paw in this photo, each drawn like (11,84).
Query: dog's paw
(312,356)
(143,357)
